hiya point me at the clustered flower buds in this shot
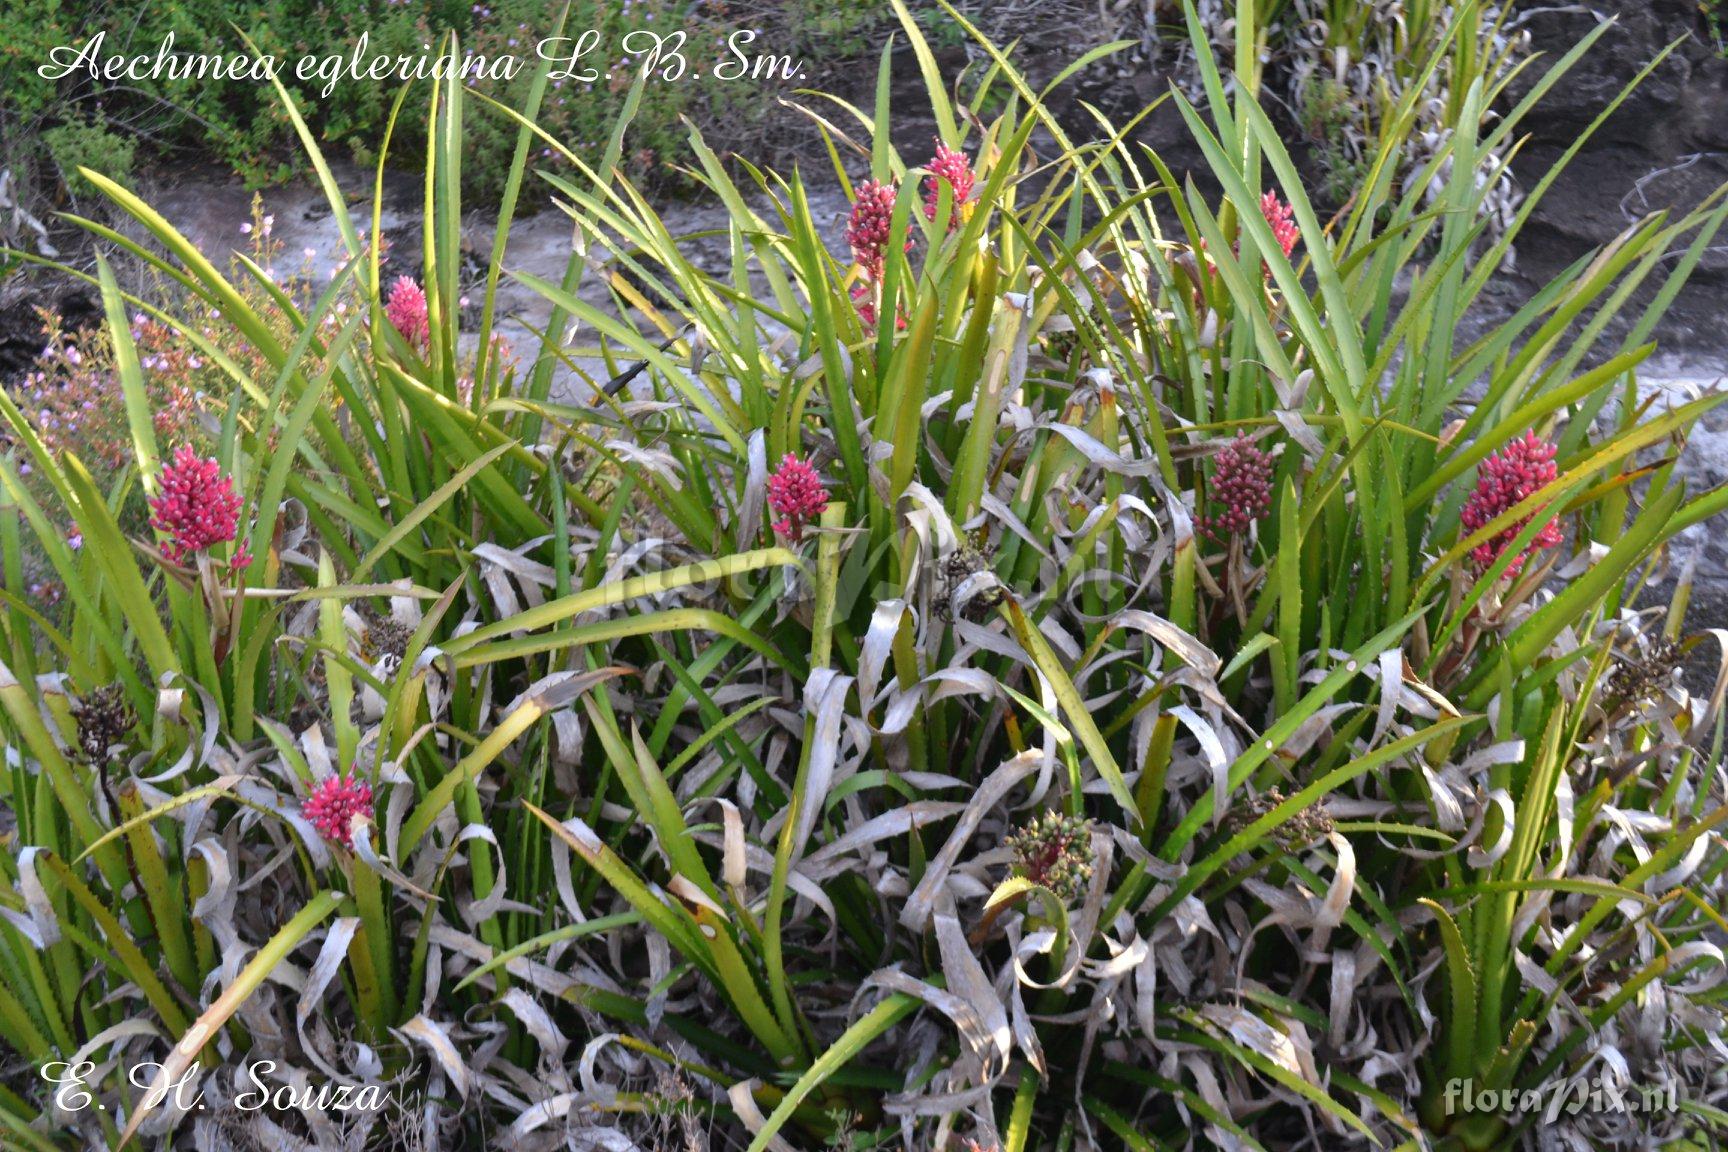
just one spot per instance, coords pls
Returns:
(1243, 484)
(954, 168)
(1055, 851)
(795, 492)
(1282, 217)
(868, 227)
(406, 310)
(332, 805)
(197, 508)
(1504, 480)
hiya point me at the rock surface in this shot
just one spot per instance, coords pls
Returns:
(1664, 148)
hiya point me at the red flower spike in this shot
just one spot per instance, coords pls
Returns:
(1282, 218)
(333, 804)
(868, 227)
(1504, 480)
(795, 492)
(197, 507)
(953, 167)
(405, 308)
(1243, 484)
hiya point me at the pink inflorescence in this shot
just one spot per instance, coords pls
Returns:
(406, 309)
(953, 167)
(795, 492)
(1504, 480)
(1282, 217)
(197, 507)
(868, 227)
(334, 802)
(1243, 484)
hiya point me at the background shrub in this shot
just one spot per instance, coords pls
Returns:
(52, 126)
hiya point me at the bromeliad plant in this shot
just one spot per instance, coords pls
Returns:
(1162, 667)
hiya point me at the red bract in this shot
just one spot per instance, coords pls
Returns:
(1243, 484)
(1282, 217)
(332, 805)
(1504, 480)
(197, 507)
(864, 299)
(795, 492)
(868, 227)
(953, 167)
(406, 310)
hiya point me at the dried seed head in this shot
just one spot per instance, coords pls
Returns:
(385, 638)
(1060, 345)
(1639, 678)
(963, 562)
(958, 566)
(1055, 851)
(104, 718)
(1307, 826)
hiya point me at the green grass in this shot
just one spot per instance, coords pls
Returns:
(748, 802)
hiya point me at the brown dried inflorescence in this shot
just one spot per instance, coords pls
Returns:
(959, 565)
(1304, 828)
(1639, 678)
(104, 718)
(385, 638)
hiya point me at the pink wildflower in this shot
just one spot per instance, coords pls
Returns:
(953, 167)
(795, 492)
(334, 802)
(1282, 217)
(406, 310)
(868, 227)
(197, 507)
(1521, 469)
(1243, 484)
